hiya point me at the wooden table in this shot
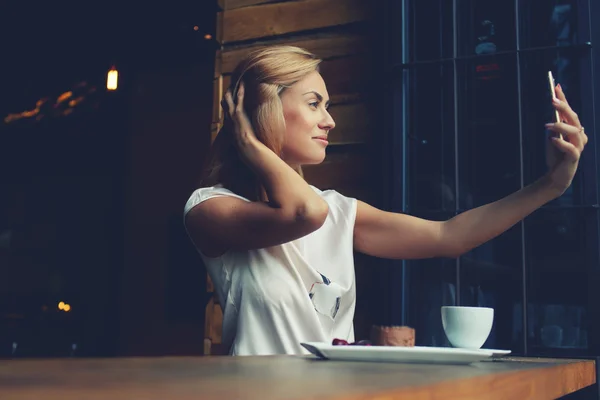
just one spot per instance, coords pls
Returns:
(287, 377)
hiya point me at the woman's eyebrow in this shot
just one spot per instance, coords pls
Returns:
(319, 97)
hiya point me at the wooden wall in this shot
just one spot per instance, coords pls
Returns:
(343, 33)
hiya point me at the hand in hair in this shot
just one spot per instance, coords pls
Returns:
(242, 127)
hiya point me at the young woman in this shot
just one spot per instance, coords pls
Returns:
(279, 251)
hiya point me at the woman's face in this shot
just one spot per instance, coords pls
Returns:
(307, 121)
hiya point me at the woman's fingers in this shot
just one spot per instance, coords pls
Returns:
(574, 135)
(562, 106)
(240, 99)
(228, 103)
(568, 149)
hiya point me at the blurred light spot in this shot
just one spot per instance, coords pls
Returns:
(112, 79)
(208, 36)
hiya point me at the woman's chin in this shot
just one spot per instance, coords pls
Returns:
(307, 159)
(314, 160)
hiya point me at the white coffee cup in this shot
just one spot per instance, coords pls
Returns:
(467, 327)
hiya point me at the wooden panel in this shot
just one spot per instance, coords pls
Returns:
(339, 170)
(324, 46)
(218, 64)
(233, 4)
(217, 114)
(219, 27)
(275, 19)
(226, 82)
(347, 75)
(352, 124)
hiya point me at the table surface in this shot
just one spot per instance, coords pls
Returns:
(288, 377)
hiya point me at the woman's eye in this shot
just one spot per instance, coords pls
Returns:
(314, 104)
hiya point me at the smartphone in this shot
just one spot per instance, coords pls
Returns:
(552, 85)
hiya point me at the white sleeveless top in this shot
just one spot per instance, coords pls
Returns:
(277, 297)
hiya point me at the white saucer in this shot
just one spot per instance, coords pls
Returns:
(417, 354)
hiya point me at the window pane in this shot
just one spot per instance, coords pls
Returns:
(553, 23)
(432, 285)
(572, 69)
(431, 143)
(485, 27)
(491, 275)
(561, 255)
(488, 131)
(430, 31)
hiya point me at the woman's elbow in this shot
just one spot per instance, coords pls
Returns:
(313, 214)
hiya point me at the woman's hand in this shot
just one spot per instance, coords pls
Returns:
(242, 127)
(563, 153)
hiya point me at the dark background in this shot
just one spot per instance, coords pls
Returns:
(91, 195)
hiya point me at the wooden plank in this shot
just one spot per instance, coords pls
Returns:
(352, 124)
(325, 46)
(296, 16)
(219, 27)
(218, 64)
(233, 4)
(217, 114)
(347, 75)
(226, 82)
(339, 170)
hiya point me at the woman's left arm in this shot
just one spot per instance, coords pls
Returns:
(399, 236)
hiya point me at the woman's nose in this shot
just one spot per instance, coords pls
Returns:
(328, 122)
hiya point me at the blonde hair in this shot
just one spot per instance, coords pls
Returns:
(266, 73)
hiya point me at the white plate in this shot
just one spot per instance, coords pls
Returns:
(417, 354)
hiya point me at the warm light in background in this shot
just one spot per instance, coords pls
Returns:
(112, 80)
(61, 305)
(67, 308)
(196, 28)
(208, 36)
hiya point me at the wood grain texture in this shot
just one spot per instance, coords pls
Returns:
(218, 64)
(325, 46)
(217, 114)
(348, 75)
(233, 4)
(289, 377)
(352, 124)
(269, 20)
